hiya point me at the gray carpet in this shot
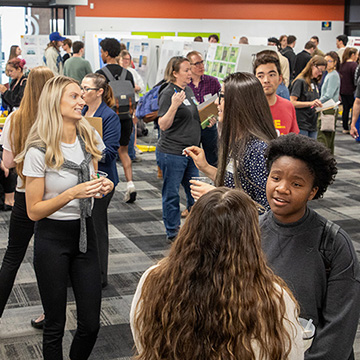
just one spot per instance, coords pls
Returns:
(137, 240)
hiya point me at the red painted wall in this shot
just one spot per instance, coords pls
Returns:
(325, 10)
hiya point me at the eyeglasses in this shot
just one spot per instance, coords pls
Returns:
(88, 89)
(319, 69)
(220, 95)
(198, 64)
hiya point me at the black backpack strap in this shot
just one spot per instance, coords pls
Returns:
(327, 244)
(108, 74)
(123, 74)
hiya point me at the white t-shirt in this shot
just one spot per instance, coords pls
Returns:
(57, 181)
(6, 143)
(294, 328)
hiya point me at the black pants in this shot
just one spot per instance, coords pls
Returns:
(348, 102)
(100, 219)
(57, 256)
(20, 232)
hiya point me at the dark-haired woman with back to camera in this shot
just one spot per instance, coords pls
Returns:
(214, 297)
(347, 87)
(12, 96)
(179, 123)
(246, 128)
(99, 100)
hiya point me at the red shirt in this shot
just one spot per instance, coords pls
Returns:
(284, 116)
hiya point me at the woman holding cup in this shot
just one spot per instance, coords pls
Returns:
(60, 154)
(99, 100)
(246, 128)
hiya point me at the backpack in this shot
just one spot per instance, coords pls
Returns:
(327, 242)
(148, 105)
(123, 90)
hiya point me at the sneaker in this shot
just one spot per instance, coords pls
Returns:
(130, 195)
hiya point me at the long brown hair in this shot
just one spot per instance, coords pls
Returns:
(306, 74)
(13, 49)
(101, 83)
(23, 118)
(348, 52)
(214, 297)
(246, 116)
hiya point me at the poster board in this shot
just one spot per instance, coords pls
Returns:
(171, 48)
(33, 48)
(225, 59)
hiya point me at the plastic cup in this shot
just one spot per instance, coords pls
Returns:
(203, 179)
(100, 174)
(308, 332)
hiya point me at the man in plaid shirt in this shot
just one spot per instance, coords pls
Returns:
(204, 86)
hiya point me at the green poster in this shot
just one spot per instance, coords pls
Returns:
(226, 53)
(215, 69)
(219, 51)
(208, 67)
(234, 52)
(230, 69)
(222, 71)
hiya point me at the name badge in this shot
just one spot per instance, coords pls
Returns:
(186, 102)
(193, 98)
(207, 97)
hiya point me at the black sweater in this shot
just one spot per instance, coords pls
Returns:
(13, 96)
(292, 251)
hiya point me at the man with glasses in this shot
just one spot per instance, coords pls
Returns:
(77, 67)
(204, 86)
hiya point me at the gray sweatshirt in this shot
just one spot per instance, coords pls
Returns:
(292, 251)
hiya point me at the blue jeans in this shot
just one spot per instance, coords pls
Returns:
(131, 147)
(209, 138)
(176, 169)
(310, 134)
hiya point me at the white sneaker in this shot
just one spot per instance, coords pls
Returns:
(130, 195)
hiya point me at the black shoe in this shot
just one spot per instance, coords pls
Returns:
(37, 324)
(7, 207)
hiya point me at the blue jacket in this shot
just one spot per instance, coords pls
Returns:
(111, 138)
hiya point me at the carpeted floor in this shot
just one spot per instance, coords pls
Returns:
(137, 240)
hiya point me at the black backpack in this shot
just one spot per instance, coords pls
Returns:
(327, 244)
(123, 90)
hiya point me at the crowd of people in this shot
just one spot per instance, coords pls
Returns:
(251, 258)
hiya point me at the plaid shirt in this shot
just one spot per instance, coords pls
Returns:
(207, 85)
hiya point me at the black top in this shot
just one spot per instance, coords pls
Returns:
(185, 130)
(292, 251)
(13, 96)
(306, 117)
(65, 57)
(116, 71)
(289, 53)
(301, 60)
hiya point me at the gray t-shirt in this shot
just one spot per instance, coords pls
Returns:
(185, 130)
(306, 117)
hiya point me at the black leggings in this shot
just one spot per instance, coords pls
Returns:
(348, 102)
(57, 256)
(20, 232)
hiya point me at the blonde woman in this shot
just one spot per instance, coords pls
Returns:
(60, 155)
(14, 135)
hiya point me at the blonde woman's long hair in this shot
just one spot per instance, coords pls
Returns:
(214, 297)
(23, 119)
(47, 129)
